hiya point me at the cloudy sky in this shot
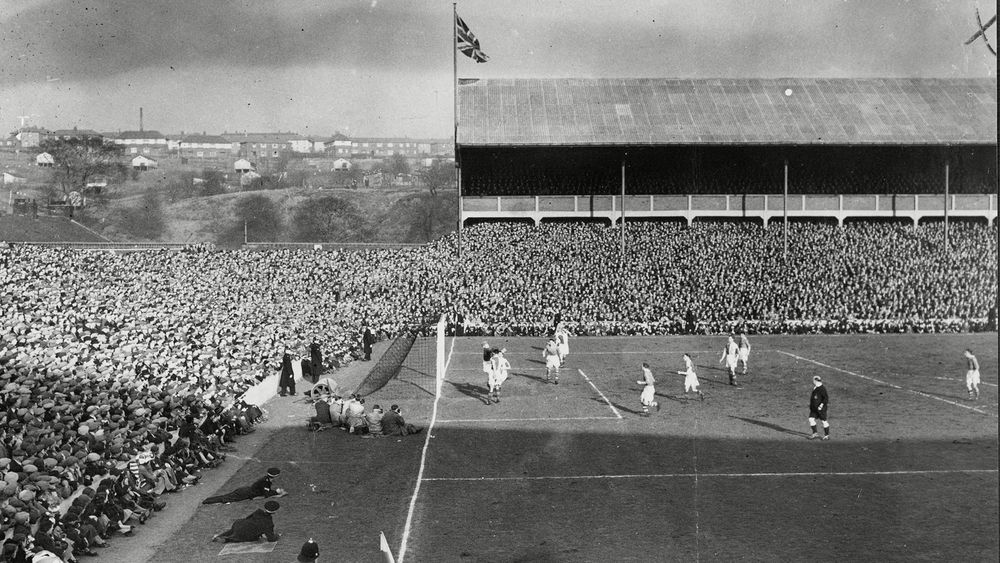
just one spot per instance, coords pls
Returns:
(384, 67)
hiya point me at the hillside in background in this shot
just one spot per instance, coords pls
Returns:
(282, 215)
(187, 204)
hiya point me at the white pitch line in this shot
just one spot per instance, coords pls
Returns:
(480, 370)
(718, 475)
(612, 407)
(647, 353)
(962, 381)
(886, 383)
(423, 461)
(541, 418)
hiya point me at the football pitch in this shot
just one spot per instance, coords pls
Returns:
(571, 472)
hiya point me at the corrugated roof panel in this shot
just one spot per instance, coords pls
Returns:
(676, 111)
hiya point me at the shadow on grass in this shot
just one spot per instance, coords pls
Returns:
(474, 391)
(678, 398)
(616, 405)
(537, 378)
(534, 361)
(770, 425)
(417, 385)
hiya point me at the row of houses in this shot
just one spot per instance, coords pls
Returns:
(256, 147)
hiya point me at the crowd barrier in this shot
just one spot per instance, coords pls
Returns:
(761, 206)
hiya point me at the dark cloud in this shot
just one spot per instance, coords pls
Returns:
(99, 38)
(386, 66)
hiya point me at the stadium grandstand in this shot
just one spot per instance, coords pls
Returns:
(539, 149)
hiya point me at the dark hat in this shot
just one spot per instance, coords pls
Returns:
(309, 552)
(271, 506)
(274, 472)
(817, 378)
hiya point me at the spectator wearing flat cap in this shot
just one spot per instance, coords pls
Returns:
(257, 524)
(261, 488)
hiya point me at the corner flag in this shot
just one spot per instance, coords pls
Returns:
(384, 546)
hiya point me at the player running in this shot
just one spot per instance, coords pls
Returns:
(498, 374)
(729, 355)
(562, 344)
(551, 356)
(744, 352)
(648, 395)
(691, 383)
(972, 375)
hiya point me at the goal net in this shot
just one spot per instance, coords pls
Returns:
(414, 362)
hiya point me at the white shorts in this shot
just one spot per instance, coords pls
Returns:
(648, 393)
(552, 361)
(691, 382)
(971, 378)
(744, 354)
(499, 378)
(731, 362)
(487, 367)
(563, 350)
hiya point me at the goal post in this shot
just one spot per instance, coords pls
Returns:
(442, 326)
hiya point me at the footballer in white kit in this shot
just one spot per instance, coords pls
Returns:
(729, 355)
(551, 356)
(562, 344)
(691, 383)
(498, 374)
(648, 396)
(972, 374)
(744, 352)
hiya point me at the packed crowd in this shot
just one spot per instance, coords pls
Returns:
(647, 182)
(122, 374)
(750, 171)
(719, 277)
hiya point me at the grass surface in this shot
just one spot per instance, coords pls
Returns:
(562, 473)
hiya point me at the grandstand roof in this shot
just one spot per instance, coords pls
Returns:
(660, 111)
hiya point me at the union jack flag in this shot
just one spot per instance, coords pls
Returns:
(467, 42)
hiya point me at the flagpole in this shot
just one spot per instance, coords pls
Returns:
(454, 66)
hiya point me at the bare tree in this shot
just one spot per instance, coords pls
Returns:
(79, 160)
(438, 176)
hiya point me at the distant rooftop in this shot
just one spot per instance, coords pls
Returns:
(216, 139)
(126, 135)
(76, 133)
(277, 137)
(660, 111)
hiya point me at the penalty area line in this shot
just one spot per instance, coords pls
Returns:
(535, 419)
(625, 352)
(423, 460)
(612, 407)
(887, 384)
(719, 475)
